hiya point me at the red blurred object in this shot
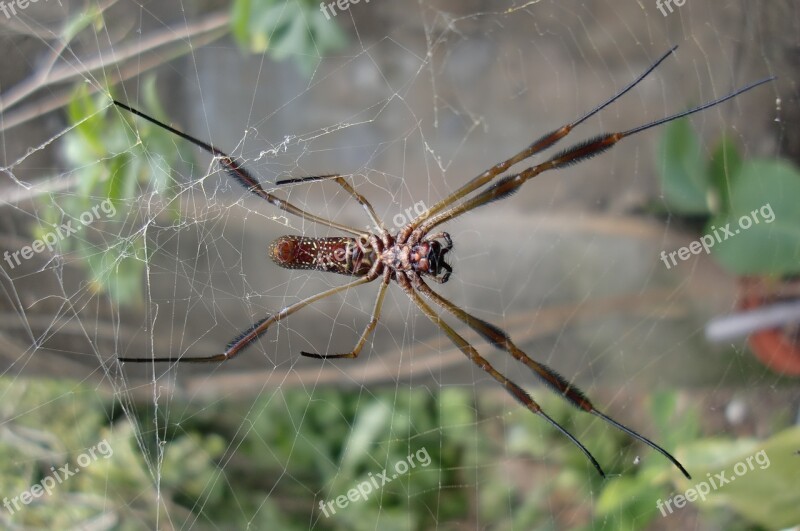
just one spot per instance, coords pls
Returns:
(777, 348)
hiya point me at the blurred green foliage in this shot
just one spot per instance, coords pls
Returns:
(269, 462)
(295, 29)
(726, 188)
(762, 477)
(98, 148)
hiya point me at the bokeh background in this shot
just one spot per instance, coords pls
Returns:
(410, 100)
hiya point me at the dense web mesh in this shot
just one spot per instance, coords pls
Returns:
(147, 249)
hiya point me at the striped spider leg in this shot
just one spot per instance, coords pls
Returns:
(415, 253)
(282, 248)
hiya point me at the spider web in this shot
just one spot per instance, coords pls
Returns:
(425, 96)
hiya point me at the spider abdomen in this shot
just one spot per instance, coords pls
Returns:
(335, 255)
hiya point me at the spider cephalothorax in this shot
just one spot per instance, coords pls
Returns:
(423, 258)
(415, 254)
(427, 258)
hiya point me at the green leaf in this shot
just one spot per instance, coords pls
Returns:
(766, 479)
(764, 197)
(86, 17)
(326, 34)
(116, 270)
(81, 107)
(116, 182)
(456, 414)
(370, 423)
(240, 19)
(672, 428)
(291, 40)
(150, 97)
(294, 29)
(188, 467)
(633, 494)
(683, 178)
(725, 163)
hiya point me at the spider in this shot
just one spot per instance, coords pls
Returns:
(416, 254)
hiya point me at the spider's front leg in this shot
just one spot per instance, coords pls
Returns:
(407, 281)
(443, 236)
(499, 339)
(537, 146)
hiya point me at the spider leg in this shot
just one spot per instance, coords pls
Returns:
(259, 327)
(499, 339)
(376, 221)
(445, 277)
(443, 235)
(306, 179)
(373, 322)
(537, 146)
(513, 389)
(240, 174)
(594, 146)
(344, 184)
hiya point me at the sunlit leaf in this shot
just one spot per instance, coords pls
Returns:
(763, 221)
(723, 168)
(683, 177)
(758, 479)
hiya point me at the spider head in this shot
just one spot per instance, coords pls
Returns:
(428, 259)
(437, 263)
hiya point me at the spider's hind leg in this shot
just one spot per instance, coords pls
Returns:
(370, 327)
